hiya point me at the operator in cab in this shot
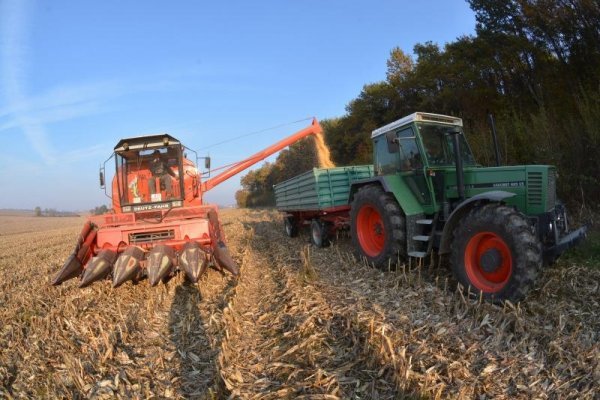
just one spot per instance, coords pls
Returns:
(160, 169)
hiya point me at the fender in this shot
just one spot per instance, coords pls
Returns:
(494, 196)
(363, 182)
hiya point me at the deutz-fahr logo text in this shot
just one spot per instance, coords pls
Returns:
(147, 207)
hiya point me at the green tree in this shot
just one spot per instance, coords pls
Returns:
(99, 210)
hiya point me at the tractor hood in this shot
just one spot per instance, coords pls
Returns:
(534, 186)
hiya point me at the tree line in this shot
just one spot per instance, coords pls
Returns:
(533, 64)
(52, 212)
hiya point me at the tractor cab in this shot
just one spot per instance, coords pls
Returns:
(148, 171)
(417, 141)
(419, 149)
(438, 145)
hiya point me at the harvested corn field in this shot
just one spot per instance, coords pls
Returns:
(299, 322)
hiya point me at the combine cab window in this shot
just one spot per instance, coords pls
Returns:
(149, 175)
(438, 145)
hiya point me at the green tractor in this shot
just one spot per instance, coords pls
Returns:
(499, 225)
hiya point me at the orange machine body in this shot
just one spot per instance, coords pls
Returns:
(164, 209)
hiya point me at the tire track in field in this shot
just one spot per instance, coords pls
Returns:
(285, 340)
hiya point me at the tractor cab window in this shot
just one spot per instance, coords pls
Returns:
(410, 156)
(386, 155)
(149, 175)
(437, 142)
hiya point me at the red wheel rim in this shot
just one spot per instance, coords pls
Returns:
(370, 230)
(498, 274)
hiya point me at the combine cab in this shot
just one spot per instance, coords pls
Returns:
(159, 225)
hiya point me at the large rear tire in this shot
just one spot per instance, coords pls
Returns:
(495, 251)
(378, 227)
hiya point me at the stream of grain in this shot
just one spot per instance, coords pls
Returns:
(323, 152)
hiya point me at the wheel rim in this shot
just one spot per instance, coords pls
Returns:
(370, 230)
(288, 227)
(316, 232)
(488, 262)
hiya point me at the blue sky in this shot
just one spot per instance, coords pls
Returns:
(75, 77)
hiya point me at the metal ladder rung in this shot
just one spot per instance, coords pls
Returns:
(421, 238)
(424, 221)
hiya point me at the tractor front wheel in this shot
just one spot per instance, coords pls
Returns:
(377, 226)
(496, 252)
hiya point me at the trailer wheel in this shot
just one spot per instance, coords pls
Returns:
(495, 251)
(319, 234)
(291, 227)
(378, 226)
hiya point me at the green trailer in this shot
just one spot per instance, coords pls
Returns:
(319, 198)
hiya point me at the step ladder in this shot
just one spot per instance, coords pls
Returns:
(420, 237)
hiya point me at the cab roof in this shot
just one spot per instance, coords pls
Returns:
(146, 142)
(418, 116)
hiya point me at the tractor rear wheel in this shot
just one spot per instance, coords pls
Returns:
(378, 226)
(495, 251)
(291, 227)
(319, 234)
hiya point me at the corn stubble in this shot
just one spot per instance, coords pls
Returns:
(300, 323)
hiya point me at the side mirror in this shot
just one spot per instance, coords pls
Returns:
(207, 162)
(101, 179)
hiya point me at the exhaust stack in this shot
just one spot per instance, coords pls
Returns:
(128, 266)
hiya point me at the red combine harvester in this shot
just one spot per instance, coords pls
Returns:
(160, 224)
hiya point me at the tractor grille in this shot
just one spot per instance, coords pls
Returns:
(535, 188)
(145, 237)
(551, 189)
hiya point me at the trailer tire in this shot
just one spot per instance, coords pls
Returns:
(496, 252)
(290, 226)
(378, 227)
(319, 235)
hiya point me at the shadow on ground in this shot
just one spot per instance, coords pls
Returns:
(194, 353)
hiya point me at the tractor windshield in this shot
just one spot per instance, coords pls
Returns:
(439, 151)
(149, 175)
